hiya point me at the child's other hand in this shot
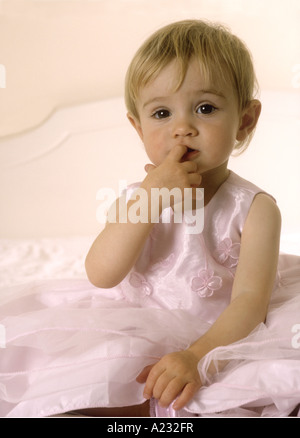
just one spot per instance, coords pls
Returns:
(175, 375)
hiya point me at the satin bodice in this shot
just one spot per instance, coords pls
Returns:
(195, 272)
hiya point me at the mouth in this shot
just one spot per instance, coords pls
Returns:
(190, 153)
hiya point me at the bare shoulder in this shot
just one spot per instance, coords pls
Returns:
(264, 213)
(262, 228)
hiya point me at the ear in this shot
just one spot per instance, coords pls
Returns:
(249, 118)
(136, 124)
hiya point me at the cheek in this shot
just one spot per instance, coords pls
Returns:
(225, 136)
(155, 147)
(151, 150)
(155, 155)
(219, 143)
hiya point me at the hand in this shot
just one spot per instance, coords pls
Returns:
(173, 172)
(175, 375)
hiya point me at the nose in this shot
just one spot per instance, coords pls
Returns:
(184, 127)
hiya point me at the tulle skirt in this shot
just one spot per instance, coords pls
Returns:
(69, 346)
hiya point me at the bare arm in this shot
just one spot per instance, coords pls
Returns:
(176, 374)
(115, 250)
(118, 246)
(254, 279)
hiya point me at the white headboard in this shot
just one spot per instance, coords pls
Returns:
(50, 175)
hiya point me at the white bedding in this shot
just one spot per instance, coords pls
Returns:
(25, 260)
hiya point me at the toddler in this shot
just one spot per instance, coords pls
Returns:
(173, 321)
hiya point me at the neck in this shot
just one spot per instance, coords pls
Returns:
(212, 180)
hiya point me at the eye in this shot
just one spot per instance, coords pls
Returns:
(205, 108)
(161, 114)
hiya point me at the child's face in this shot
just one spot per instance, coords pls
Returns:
(196, 115)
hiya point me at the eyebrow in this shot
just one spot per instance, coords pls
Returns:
(210, 91)
(213, 91)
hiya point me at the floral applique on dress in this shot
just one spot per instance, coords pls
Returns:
(227, 253)
(206, 283)
(138, 281)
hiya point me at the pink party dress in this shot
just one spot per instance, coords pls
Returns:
(71, 346)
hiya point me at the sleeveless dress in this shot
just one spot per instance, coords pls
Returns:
(71, 346)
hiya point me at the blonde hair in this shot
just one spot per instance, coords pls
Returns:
(222, 57)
